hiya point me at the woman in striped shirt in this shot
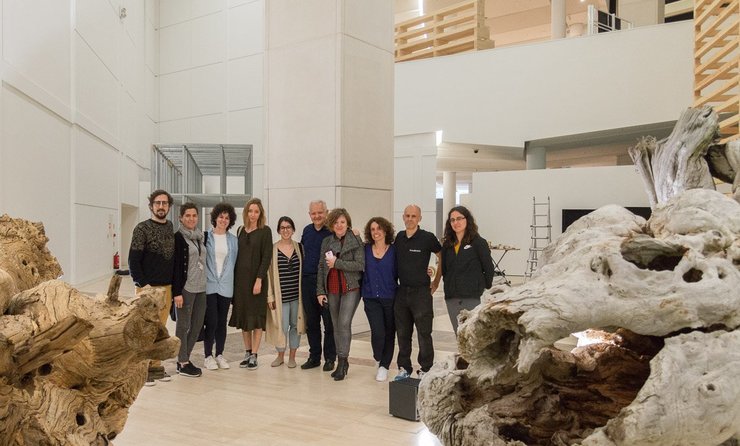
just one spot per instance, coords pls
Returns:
(285, 322)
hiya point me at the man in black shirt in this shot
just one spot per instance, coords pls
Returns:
(151, 262)
(413, 306)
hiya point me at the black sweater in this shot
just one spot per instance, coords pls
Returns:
(470, 271)
(151, 255)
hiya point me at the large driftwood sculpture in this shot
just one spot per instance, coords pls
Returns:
(70, 365)
(688, 158)
(656, 304)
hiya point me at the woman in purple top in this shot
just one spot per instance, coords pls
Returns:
(379, 290)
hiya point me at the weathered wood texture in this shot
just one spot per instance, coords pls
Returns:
(688, 159)
(70, 365)
(672, 279)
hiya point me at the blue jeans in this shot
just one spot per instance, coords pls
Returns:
(382, 329)
(290, 325)
(217, 308)
(342, 307)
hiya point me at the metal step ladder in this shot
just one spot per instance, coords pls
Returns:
(541, 234)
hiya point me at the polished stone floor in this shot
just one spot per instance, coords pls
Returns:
(275, 406)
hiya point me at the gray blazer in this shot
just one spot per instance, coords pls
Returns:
(351, 260)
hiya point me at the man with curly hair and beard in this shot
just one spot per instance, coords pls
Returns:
(151, 261)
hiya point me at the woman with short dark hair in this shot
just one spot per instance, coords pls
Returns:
(285, 322)
(341, 264)
(221, 251)
(189, 287)
(467, 266)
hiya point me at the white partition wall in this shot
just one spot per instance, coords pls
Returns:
(415, 178)
(502, 201)
(77, 120)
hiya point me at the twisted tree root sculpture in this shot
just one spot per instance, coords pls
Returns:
(657, 305)
(70, 365)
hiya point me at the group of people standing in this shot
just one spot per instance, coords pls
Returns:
(288, 288)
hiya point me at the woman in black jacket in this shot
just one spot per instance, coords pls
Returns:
(467, 266)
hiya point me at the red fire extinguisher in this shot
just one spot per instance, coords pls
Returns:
(116, 260)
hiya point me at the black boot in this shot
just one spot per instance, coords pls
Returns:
(342, 369)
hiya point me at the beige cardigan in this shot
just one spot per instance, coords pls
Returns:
(274, 331)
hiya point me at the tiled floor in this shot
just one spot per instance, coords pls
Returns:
(275, 406)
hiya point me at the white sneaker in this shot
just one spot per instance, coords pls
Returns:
(382, 374)
(421, 374)
(210, 363)
(222, 362)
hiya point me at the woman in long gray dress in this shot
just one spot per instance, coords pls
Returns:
(250, 280)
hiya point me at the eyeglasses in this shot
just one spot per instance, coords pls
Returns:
(286, 228)
(161, 203)
(456, 219)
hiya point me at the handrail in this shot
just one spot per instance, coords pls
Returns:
(455, 29)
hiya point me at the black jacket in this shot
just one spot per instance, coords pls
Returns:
(470, 271)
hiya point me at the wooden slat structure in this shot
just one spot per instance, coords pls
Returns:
(455, 29)
(717, 61)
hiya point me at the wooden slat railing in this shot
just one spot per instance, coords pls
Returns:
(455, 29)
(717, 61)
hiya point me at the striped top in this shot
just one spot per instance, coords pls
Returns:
(288, 272)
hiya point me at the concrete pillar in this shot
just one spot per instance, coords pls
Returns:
(449, 193)
(557, 19)
(536, 158)
(329, 108)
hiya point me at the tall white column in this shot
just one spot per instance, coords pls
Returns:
(536, 157)
(329, 107)
(449, 193)
(557, 19)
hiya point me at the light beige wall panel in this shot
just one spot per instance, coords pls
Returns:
(362, 204)
(208, 90)
(306, 74)
(151, 96)
(210, 129)
(176, 48)
(366, 115)
(293, 202)
(151, 47)
(203, 7)
(129, 175)
(99, 26)
(95, 244)
(245, 82)
(306, 20)
(174, 131)
(35, 170)
(36, 47)
(135, 22)
(246, 127)
(97, 93)
(174, 11)
(132, 76)
(368, 21)
(175, 95)
(128, 123)
(95, 167)
(152, 11)
(148, 134)
(246, 29)
(208, 39)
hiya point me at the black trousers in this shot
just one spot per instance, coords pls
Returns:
(315, 313)
(217, 308)
(414, 307)
(382, 322)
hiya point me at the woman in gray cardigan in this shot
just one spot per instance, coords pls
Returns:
(341, 265)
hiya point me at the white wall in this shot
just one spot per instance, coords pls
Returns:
(507, 96)
(211, 65)
(78, 120)
(502, 201)
(415, 178)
